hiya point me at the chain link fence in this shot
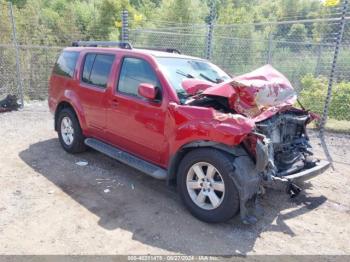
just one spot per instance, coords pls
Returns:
(190, 40)
(240, 48)
(303, 50)
(9, 78)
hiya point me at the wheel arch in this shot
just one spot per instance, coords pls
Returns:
(247, 181)
(62, 105)
(183, 150)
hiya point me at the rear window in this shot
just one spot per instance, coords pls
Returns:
(65, 64)
(97, 68)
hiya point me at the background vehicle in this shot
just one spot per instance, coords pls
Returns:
(183, 119)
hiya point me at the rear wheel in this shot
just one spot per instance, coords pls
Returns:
(205, 185)
(69, 132)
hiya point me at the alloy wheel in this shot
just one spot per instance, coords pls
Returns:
(67, 130)
(205, 185)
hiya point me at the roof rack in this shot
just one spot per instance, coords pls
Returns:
(168, 50)
(123, 45)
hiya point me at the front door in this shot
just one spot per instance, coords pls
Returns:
(134, 123)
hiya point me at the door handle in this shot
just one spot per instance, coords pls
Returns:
(114, 103)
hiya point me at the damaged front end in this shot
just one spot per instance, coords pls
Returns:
(283, 152)
(278, 144)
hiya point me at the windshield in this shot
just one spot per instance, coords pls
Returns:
(178, 69)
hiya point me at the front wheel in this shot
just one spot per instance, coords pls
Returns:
(206, 187)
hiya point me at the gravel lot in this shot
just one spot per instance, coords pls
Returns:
(50, 205)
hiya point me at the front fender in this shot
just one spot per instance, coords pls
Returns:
(206, 124)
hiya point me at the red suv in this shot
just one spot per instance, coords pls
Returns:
(183, 119)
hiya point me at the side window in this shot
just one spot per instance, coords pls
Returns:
(65, 64)
(97, 68)
(135, 71)
(89, 61)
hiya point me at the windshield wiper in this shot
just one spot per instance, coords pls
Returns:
(201, 74)
(184, 74)
(208, 78)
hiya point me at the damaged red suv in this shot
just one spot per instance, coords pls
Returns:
(183, 119)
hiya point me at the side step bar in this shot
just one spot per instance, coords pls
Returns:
(126, 158)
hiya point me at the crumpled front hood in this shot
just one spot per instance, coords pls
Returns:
(258, 94)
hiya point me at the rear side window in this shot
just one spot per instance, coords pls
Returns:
(89, 61)
(135, 71)
(65, 64)
(97, 68)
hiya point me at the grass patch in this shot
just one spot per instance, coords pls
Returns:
(333, 125)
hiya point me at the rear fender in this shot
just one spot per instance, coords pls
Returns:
(71, 98)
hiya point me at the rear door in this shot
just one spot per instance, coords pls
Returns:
(135, 123)
(95, 79)
(62, 77)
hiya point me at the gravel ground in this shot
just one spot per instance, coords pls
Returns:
(50, 205)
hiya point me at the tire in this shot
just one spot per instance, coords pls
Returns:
(75, 144)
(190, 190)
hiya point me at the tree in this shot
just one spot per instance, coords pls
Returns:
(109, 14)
(18, 3)
(297, 33)
(183, 11)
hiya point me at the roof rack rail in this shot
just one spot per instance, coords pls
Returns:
(123, 45)
(168, 50)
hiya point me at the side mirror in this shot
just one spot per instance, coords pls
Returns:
(148, 91)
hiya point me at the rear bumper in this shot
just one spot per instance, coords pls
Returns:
(307, 174)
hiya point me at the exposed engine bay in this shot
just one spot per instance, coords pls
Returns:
(266, 97)
(290, 144)
(285, 133)
(275, 138)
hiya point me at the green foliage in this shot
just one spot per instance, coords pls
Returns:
(297, 32)
(63, 20)
(18, 3)
(238, 48)
(183, 11)
(340, 108)
(314, 94)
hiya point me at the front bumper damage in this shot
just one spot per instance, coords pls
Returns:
(265, 165)
(307, 174)
(265, 170)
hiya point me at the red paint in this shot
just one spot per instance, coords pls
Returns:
(194, 86)
(147, 91)
(153, 130)
(258, 94)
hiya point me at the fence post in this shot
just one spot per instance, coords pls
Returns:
(18, 68)
(269, 51)
(47, 66)
(334, 65)
(330, 81)
(209, 39)
(125, 26)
